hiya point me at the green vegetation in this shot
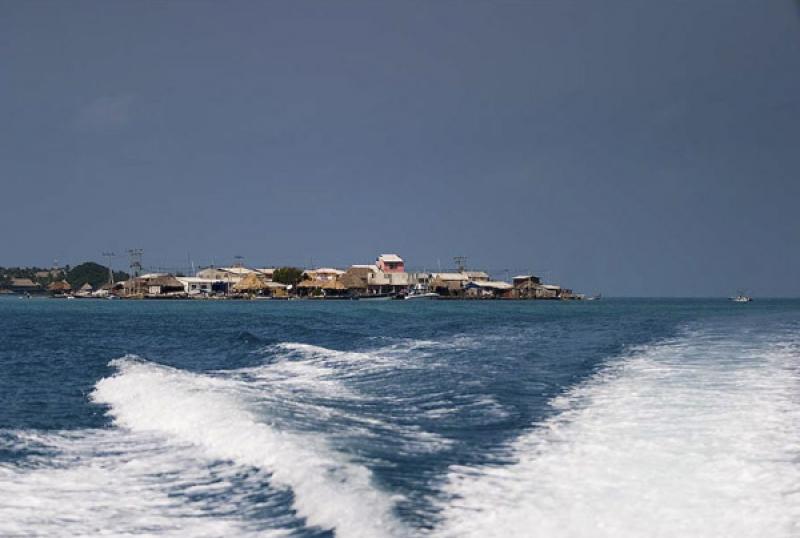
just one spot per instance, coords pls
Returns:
(40, 275)
(93, 273)
(287, 275)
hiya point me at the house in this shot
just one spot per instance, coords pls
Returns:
(24, 285)
(163, 285)
(448, 284)
(267, 272)
(232, 275)
(391, 263)
(357, 278)
(476, 276)
(322, 288)
(257, 284)
(488, 289)
(59, 287)
(324, 274)
(380, 282)
(525, 286)
(193, 285)
(548, 291)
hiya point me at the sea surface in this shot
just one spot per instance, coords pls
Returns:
(615, 418)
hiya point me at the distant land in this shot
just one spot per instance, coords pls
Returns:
(384, 279)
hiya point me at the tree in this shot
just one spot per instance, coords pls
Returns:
(93, 273)
(287, 275)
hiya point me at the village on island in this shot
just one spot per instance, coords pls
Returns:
(385, 279)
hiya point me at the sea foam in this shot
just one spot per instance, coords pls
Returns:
(209, 412)
(693, 437)
(118, 483)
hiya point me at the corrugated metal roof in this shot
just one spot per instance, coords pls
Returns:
(491, 284)
(327, 270)
(450, 276)
(237, 270)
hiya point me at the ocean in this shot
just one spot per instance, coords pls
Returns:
(614, 418)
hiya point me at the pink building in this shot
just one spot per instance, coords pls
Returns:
(391, 263)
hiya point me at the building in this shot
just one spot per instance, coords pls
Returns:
(59, 287)
(232, 275)
(162, 285)
(391, 263)
(267, 272)
(448, 284)
(24, 285)
(476, 276)
(525, 286)
(488, 289)
(324, 274)
(193, 285)
(257, 284)
(548, 291)
(380, 282)
(357, 277)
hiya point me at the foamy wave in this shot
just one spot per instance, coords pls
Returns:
(695, 437)
(317, 388)
(113, 483)
(208, 412)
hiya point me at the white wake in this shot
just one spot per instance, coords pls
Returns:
(695, 437)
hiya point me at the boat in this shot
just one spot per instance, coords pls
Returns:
(594, 297)
(376, 297)
(420, 291)
(741, 298)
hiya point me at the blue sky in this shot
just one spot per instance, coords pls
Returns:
(633, 148)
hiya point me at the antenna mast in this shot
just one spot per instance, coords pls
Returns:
(110, 256)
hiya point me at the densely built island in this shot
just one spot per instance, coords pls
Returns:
(384, 279)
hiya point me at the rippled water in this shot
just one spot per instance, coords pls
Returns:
(613, 418)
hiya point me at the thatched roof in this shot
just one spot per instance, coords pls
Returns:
(356, 277)
(87, 287)
(252, 282)
(59, 285)
(23, 283)
(322, 284)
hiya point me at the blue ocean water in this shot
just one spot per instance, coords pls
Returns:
(306, 418)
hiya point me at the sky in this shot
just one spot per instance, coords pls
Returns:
(633, 148)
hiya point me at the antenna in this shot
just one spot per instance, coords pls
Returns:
(135, 255)
(461, 263)
(136, 261)
(110, 256)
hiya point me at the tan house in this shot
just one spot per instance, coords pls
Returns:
(451, 284)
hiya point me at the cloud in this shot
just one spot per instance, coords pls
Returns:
(105, 113)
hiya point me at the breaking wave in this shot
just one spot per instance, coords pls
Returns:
(209, 413)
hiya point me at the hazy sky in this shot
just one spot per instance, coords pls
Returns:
(633, 148)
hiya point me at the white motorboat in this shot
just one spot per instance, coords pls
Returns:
(741, 299)
(420, 291)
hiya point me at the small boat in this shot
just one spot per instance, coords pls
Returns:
(429, 295)
(420, 291)
(376, 297)
(594, 297)
(741, 299)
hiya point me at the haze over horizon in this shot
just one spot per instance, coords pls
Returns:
(625, 147)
